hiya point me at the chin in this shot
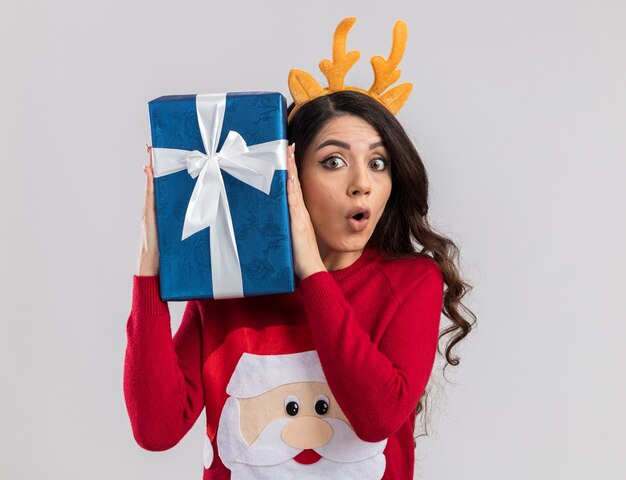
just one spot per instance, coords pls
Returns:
(348, 245)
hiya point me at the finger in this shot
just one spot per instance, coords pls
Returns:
(292, 192)
(149, 150)
(294, 166)
(294, 175)
(291, 196)
(290, 155)
(149, 170)
(290, 170)
(149, 203)
(149, 182)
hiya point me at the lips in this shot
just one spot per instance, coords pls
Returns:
(307, 457)
(359, 213)
(358, 218)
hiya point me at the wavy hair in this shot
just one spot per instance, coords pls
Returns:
(403, 229)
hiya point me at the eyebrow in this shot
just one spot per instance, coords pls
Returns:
(345, 145)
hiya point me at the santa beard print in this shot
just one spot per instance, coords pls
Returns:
(344, 456)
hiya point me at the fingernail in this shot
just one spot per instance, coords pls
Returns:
(291, 177)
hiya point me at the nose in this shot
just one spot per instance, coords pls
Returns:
(307, 433)
(359, 181)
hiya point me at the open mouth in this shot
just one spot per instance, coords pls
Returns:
(359, 214)
(358, 219)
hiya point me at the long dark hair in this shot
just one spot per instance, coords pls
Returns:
(403, 229)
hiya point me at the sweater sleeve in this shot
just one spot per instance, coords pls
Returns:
(162, 376)
(376, 385)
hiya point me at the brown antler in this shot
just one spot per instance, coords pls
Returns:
(304, 87)
(335, 71)
(385, 72)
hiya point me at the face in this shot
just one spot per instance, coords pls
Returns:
(346, 182)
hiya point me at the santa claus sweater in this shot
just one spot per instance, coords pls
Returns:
(348, 355)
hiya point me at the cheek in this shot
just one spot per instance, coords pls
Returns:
(385, 189)
(318, 197)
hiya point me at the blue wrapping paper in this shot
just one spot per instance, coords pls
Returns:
(260, 221)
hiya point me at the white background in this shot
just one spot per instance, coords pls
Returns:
(518, 111)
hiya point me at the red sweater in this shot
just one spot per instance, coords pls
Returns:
(373, 325)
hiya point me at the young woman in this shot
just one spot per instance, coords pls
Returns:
(325, 382)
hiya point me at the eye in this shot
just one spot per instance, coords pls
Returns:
(292, 405)
(321, 405)
(333, 162)
(378, 163)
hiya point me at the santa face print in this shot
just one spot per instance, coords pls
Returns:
(308, 404)
(346, 182)
(293, 430)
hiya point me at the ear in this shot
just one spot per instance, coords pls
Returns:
(395, 98)
(303, 86)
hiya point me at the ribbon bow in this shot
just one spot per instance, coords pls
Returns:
(208, 205)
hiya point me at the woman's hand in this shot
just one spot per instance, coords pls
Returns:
(148, 262)
(306, 255)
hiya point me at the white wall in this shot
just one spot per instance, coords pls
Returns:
(518, 111)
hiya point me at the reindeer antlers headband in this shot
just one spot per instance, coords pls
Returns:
(304, 87)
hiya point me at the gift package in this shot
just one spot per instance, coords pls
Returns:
(220, 192)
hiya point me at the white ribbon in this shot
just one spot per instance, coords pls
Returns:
(208, 205)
